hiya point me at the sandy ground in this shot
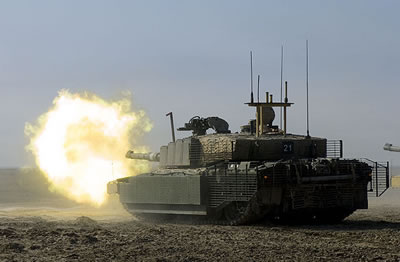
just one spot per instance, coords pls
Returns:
(36, 225)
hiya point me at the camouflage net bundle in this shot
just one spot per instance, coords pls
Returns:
(216, 148)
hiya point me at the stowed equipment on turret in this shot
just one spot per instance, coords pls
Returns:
(199, 125)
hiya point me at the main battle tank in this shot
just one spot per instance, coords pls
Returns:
(259, 173)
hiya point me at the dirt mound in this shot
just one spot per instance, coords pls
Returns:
(85, 222)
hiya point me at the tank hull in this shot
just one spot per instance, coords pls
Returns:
(302, 190)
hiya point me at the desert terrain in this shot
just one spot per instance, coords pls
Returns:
(38, 225)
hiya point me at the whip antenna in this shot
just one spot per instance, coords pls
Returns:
(258, 89)
(281, 82)
(308, 119)
(251, 77)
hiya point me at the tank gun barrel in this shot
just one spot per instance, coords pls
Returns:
(390, 147)
(154, 157)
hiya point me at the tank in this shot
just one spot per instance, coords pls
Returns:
(261, 172)
(390, 147)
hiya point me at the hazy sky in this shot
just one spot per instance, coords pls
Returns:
(192, 58)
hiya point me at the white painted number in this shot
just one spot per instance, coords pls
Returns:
(288, 148)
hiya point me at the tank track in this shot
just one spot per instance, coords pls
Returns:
(251, 213)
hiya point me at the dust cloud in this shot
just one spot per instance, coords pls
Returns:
(24, 192)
